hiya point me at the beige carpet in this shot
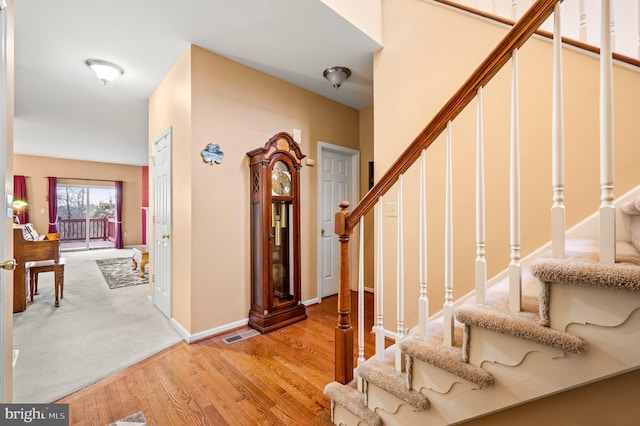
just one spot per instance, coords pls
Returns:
(96, 331)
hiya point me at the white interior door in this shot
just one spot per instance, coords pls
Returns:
(161, 265)
(337, 172)
(6, 283)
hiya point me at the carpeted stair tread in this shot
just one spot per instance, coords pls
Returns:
(518, 325)
(632, 209)
(435, 352)
(353, 401)
(621, 276)
(588, 250)
(386, 377)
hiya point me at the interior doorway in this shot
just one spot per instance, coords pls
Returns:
(338, 180)
(162, 222)
(86, 216)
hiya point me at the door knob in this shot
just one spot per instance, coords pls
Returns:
(9, 265)
(165, 236)
(322, 232)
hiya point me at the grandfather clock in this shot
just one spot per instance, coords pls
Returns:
(275, 234)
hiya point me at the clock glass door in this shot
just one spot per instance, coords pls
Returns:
(281, 243)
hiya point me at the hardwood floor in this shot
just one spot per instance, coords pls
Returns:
(272, 379)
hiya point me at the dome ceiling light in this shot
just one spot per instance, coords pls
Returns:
(336, 75)
(106, 71)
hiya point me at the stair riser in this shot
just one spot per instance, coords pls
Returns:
(486, 345)
(394, 412)
(428, 377)
(342, 416)
(571, 303)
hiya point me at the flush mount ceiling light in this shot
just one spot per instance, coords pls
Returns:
(106, 71)
(336, 75)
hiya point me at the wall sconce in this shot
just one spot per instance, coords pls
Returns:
(106, 71)
(336, 75)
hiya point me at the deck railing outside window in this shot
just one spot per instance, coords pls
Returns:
(100, 229)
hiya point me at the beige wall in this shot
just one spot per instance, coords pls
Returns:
(415, 74)
(37, 169)
(366, 155)
(170, 106)
(238, 108)
(7, 290)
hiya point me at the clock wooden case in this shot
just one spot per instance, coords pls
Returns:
(275, 234)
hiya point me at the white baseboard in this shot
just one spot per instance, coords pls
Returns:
(311, 301)
(190, 338)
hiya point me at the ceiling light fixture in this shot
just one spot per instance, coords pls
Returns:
(336, 75)
(106, 71)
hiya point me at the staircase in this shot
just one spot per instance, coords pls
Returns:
(564, 317)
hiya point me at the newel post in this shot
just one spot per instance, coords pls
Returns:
(344, 331)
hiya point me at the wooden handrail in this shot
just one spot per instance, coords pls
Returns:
(346, 221)
(542, 33)
(515, 38)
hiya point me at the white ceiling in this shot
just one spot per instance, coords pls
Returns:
(62, 110)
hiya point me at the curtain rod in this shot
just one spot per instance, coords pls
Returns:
(85, 179)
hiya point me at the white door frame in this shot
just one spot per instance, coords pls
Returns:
(6, 290)
(355, 189)
(154, 235)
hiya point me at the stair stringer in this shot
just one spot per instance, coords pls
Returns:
(523, 371)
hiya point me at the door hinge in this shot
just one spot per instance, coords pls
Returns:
(153, 278)
(153, 219)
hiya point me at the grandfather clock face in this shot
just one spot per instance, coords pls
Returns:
(280, 179)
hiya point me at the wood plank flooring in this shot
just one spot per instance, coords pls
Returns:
(272, 379)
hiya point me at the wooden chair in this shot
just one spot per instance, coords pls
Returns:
(37, 267)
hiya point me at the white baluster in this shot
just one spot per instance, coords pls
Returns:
(515, 271)
(361, 294)
(514, 10)
(361, 359)
(612, 17)
(607, 209)
(447, 309)
(638, 27)
(481, 261)
(400, 359)
(379, 327)
(557, 144)
(583, 22)
(423, 301)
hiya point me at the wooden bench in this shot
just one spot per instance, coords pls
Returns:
(140, 258)
(37, 267)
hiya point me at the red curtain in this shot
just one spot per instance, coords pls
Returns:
(20, 194)
(119, 244)
(53, 205)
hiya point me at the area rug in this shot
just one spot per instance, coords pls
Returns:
(137, 419)
(118, 272)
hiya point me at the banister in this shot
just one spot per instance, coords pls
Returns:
(514, 39)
